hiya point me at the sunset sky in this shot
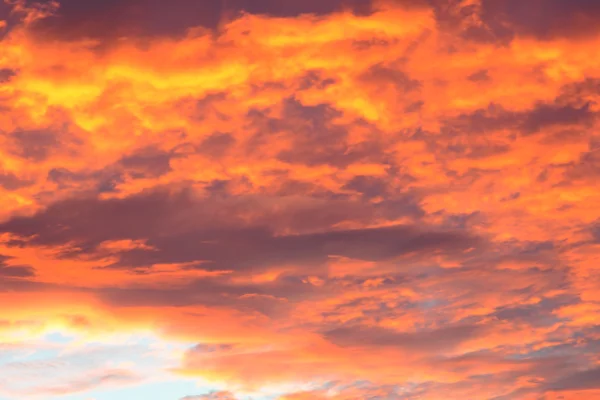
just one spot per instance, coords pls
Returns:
(300, 200)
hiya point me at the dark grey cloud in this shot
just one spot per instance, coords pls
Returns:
(18, 271)
(273, 299)
(583, 380)
(539, 314)
(6, 74)
(544, 19)
(382, 74)
(549, 366)
(581, 93)
(368, 186)
(100, 181)
(14, 271)
(147, 163)
(316, 139)
(537, 119)
(183, 228)
(545, 115)
(143, 163)
(293, 8)
(108, 20)
(256, 248)
(595, 230)
(315, 79)
(479, 76)
(10, 181)
(35, 145)
(91, 220)
(216, 145)
(63, 176)
(587, 167)
(213, 293)
(443, 339)
(483, 120)
(330, 152)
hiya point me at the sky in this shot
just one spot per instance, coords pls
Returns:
(299, 199)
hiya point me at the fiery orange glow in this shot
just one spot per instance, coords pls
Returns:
(295, 200)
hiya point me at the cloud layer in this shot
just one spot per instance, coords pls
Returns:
(330, 199)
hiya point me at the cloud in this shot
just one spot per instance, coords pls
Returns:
(584, 380)
(6, 74)
(543, 116)
(8, 270)
(544, 20)
(109, 21)
(205, 237)
(431, 341)
(321, 199)
(10, 181)
(17, 271)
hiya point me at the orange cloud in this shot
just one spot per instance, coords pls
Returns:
(332, 199)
